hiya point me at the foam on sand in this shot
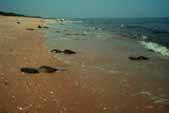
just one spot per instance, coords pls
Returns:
(156, 48)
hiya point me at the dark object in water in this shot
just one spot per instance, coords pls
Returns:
(29, 70)
(57, 31)
(160, 31)
(69, 34)
(56, 51)
(30, 29)
(69, 52)
(66, 51)
(47, 69)
(150, 50)
(45, 27)
(18, 22)
(42, 27)
(139, 58)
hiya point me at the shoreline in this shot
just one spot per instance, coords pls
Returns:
(106, 69)
(79, 89)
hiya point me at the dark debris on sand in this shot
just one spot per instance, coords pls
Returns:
(47, 69)
(41, 69)
(18, 22)
(66, 51)
(42, 27)
(29, 70)
(29, 29)
(138, 58)
(56, 51)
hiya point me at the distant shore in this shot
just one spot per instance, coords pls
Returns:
(3, 13)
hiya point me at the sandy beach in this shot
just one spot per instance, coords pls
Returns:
(22, 48)
(69, 91)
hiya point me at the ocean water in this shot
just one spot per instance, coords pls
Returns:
(124, 37)
(106, 44)
(152, 31)
(103, 47)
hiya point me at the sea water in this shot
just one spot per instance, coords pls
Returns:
(104, 45)
(150, 30)
(102, 42)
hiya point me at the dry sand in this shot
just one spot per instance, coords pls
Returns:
(22, 48)
(61, 92)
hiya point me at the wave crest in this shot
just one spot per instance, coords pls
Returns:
(156, 48)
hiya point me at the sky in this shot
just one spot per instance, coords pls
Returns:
(88, 8)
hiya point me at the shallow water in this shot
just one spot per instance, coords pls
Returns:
(102, 58)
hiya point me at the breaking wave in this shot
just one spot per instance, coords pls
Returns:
(156, 48)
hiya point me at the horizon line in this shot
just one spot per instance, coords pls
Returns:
(101, 17)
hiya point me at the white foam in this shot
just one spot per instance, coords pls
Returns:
(122, 25)
(146, 93)
(144, 37)
(156, 48)
(157, 100)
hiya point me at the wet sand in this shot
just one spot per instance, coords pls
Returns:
(71, 91)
